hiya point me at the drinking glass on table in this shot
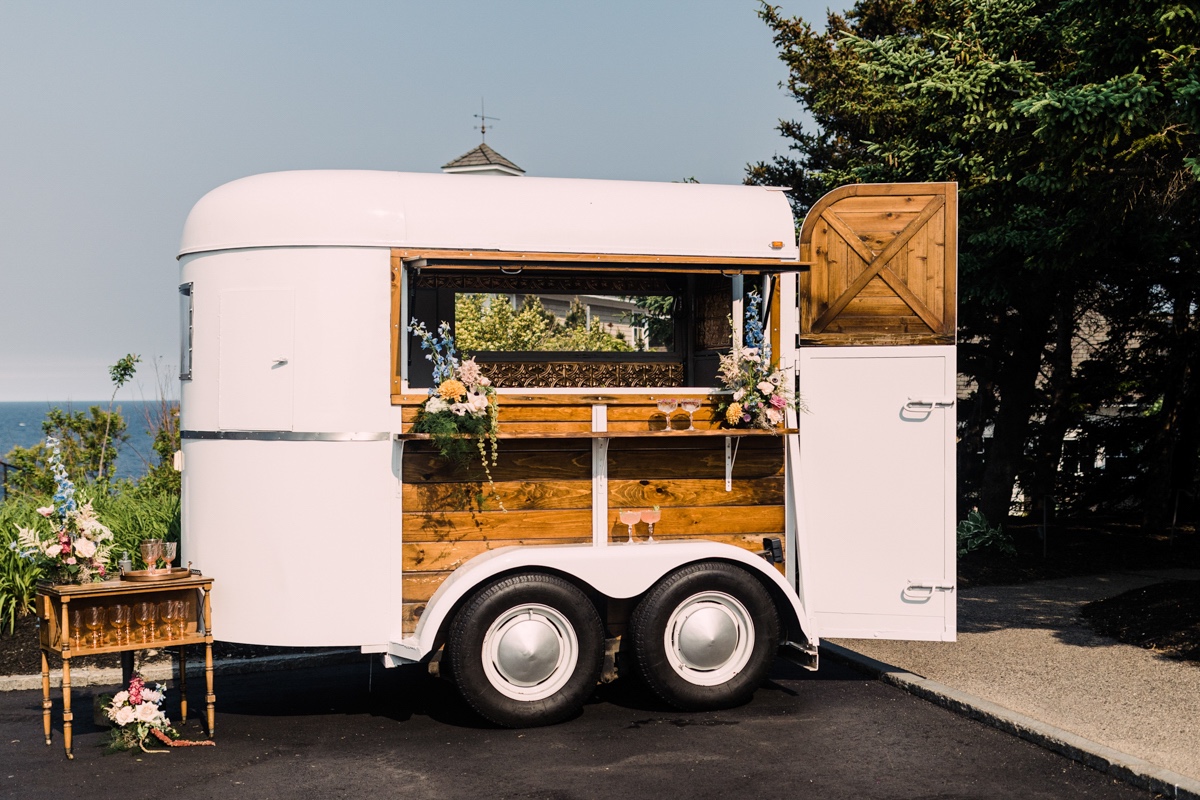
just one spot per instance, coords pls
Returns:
(152, 551)
(691, 405)
(630, 518)
(169, 549)
(118, 620)
(144, 614)
(651, 516)
(666, 405)
(93, 618)
(77, 627)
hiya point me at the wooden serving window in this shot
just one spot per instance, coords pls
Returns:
(578, 329)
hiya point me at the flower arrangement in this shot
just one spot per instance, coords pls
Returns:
(759, 389)
(76, 547)
(462, 402)
(136, 714)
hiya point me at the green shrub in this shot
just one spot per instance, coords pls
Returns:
(976, 533)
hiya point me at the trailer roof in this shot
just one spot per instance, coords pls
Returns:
(360, 208)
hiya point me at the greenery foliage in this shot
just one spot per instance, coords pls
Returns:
(976, 533)
(485, 323)
(1071, 128)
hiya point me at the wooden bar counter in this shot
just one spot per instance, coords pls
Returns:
(61, 630)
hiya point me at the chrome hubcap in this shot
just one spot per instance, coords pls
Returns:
(530, 652)
(709, 638)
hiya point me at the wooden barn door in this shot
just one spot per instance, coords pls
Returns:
(883, 266)
(877, 369)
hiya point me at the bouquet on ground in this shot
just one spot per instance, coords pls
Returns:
(136, 714)
(71, 546)
(759, 390)
(462, 403)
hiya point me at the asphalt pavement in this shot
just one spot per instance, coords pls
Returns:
(354, 730)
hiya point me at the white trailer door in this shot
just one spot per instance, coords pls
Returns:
(877, 490)
(257, 339)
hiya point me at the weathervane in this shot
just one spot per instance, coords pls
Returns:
(483, 118)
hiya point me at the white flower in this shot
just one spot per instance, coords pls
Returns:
(146, 712)
(483, 381)
(436, 405)
(46, 511)
(53, 550)
(766, 387)
(124, 715)
(775, 416)
(461, 409)
(85, 547)
(739, 394)
(120, 698)
(478, 402)
(150, 696)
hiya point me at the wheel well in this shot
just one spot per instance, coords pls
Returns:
(615, 612)
(598, 600)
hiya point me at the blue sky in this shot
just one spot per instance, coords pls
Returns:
(118, 116)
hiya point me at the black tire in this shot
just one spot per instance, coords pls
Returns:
(705, 636)
(526, 650)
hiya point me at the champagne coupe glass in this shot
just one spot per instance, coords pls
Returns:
(118, 620)
(666, 405)
(631, 518)
(651, 516)
(77, 627)
(143, 615)
(691, 405)
(169, 549)
(93, 618)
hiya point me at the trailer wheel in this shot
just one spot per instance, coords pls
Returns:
(705, 636)
(526, 650)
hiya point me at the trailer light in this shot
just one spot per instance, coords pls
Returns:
(776, 245)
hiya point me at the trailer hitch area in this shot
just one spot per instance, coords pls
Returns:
(772, 551)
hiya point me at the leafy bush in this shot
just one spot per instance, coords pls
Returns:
(132, 512)
(976, 533)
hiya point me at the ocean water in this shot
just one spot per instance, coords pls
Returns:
(21, 425)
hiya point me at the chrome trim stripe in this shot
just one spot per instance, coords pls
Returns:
(287, 436)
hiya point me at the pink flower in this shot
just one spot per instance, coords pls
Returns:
(777, 401)
(124, 716)
(71, 560)
(46, 511)
(53, 550)
(85, 548)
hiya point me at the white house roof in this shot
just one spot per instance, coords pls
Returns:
(478, 212)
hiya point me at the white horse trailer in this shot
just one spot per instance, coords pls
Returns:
(327, 522)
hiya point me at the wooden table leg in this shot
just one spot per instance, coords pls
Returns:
(67, 715)
(210, 698)
(46, 696)
(182, 683)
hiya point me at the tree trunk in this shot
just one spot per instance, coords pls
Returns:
(1017, 386)
(1059, 416)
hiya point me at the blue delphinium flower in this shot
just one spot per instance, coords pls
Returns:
(753, 336)
(64, 495)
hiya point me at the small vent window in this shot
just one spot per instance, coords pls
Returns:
(185, 332)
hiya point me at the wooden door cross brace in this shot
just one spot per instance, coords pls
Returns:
(877, 265)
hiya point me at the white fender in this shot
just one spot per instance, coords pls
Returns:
(617, 571)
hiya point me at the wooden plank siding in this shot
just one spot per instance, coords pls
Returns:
(884, 262)
(450, 515)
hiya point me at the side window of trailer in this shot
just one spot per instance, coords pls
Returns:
(185, 332)
(543, 329)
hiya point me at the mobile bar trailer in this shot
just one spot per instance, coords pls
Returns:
(330, 523)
